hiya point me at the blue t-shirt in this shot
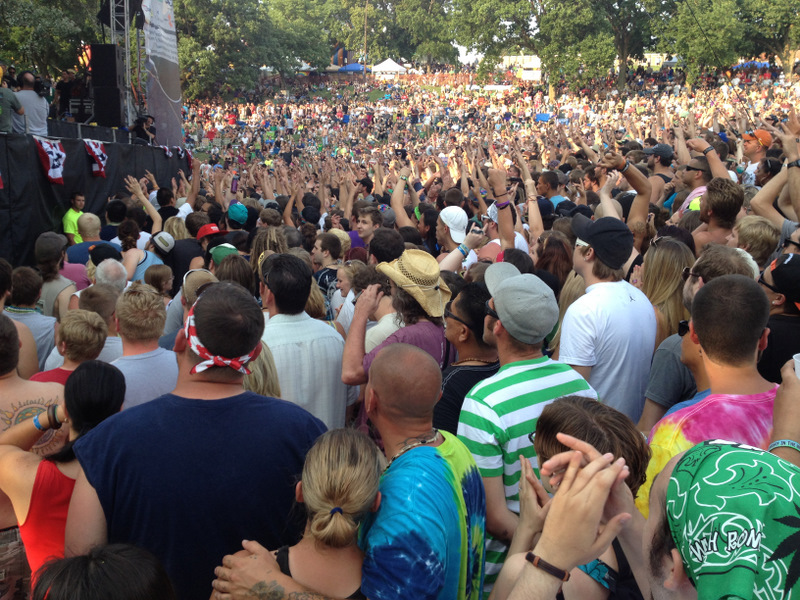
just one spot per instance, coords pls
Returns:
(556, 200)
(427, 539)
(690, 402)
(79, 253)
(189, 479)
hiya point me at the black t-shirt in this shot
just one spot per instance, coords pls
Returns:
(166, 212)
(64, 89)
(782, 344)
(457, 381)
(180, 258)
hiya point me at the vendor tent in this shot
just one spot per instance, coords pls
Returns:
(388, 66)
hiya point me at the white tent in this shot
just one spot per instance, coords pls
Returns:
(388, 66)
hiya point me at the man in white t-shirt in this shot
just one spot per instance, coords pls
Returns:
(609, 334)
(451, 229)
(492, 248)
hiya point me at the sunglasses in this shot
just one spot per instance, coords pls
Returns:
(490, 311)
(449, 314)
(787, 242)
(687, 272)
(683, 328)
(691, 168)
(767, 285)
(194, 271)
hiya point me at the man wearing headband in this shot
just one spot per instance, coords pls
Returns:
(189, 475)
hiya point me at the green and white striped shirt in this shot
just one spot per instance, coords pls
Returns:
(496, 418)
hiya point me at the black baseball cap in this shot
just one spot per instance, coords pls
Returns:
(611, 239)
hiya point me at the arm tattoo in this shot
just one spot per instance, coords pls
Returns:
(274, 591)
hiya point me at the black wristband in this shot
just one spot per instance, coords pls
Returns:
(707, 150)
(547, 567)
(51, 417)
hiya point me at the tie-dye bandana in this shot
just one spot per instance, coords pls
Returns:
(734, 513)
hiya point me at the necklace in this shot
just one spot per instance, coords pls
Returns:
(481, 360)
(408, 447)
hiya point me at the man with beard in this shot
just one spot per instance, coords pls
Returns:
(719, 207)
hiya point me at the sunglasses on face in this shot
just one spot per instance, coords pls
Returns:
(787, 242)
(687, 273)
(767, 285)
(683, 328)
(691, 168)
(490, 311)
(449, 314)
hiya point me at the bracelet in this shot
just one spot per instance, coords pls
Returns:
(783, 444)
(545, 566)
(707, 150)
(52, 418)
(500, 205)
(626, 167)
(37, 424)
(403, 177)
(499, 195)
(463, 249)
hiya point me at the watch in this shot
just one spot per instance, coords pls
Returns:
(708, 149)
(794, 163)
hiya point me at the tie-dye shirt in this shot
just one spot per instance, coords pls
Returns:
(426, 540)
(740, 419)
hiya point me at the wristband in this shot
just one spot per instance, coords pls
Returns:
(537, 562)
(37, 424)
(463, 249)
(794, 163)
(784, 444)
(707, 150)
(500, 205)
(403, 177)
(626, 167)
(52, 418)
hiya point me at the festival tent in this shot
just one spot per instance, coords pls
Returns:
(353, 68)
(388, 66)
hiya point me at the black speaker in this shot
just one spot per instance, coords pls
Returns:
(108, 65)
(109, 106)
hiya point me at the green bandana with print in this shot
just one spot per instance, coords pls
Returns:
(734, 514)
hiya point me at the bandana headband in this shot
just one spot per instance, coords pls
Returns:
(211, 360)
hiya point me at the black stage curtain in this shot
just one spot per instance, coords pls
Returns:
(31, 205)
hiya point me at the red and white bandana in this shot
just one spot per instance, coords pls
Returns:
(211, 360)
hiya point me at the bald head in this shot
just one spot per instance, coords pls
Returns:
(408, 382)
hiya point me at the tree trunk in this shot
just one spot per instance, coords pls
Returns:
(622, 74)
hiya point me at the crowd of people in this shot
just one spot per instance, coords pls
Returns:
(428, 343)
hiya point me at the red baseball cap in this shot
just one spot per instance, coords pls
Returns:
(209, 229)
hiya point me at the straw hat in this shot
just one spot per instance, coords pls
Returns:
(417, 273)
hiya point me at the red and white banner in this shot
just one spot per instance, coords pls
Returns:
(52, 155)
(97, 152)
(189, 158)
(167, 151)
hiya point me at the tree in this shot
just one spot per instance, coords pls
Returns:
(773, 27)
(47, 35)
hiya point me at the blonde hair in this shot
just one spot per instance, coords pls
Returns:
(267, 239)
(758, 236)
(574, 288)
(176, 227)
(141, 313)
(342, 471)
(84, 333)
(663, 285)
(263, 378)
(89, 225)
(344, 240)
(315, 305)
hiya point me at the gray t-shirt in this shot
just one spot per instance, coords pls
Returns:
(670, 380)
(112, 350)
(36, 110)
(42, 327)
(148, 375)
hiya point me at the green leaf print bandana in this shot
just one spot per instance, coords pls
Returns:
(734, 513)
